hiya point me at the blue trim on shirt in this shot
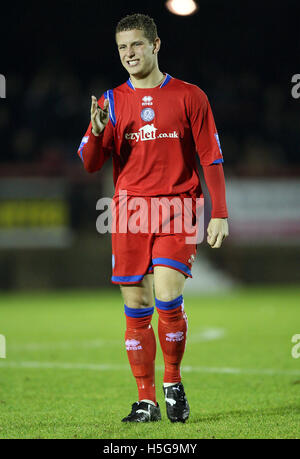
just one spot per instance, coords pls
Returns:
(80, 151)
(81, 146)
(141, 312)
(167, 305)
(166, 81)
(130, 84)
(110, 97)
(172, 263)
(168, 78)
(218, 161)
(218, 142)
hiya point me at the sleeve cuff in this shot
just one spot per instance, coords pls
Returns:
(95, 138)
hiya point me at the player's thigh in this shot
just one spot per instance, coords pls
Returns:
(168, 283)
(139, 295)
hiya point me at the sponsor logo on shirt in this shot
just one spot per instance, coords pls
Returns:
(148, 132)
(147, 100)
(173, 337)
(132, 345)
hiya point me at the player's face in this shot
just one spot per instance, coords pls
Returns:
(137, 55)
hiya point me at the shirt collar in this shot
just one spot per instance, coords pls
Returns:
(164, 82)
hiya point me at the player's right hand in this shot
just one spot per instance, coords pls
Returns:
(217, 230)
(99, 117)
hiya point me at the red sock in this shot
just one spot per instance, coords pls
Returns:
(172, 329)
(141, 350)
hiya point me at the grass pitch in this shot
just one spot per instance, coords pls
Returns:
(66, 374)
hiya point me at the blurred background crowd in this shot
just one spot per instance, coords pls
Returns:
(45, 117)
(55, 55)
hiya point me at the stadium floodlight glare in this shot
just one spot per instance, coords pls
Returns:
(182, 7)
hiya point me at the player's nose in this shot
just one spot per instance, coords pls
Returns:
(131, 53)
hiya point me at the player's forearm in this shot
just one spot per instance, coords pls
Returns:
(215, 181)
(93, 155)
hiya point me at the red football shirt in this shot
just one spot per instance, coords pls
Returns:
(153, 137)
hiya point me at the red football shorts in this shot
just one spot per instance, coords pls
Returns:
(135, 253)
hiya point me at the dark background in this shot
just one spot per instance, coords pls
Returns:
(54, 55)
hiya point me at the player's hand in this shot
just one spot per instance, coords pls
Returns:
(99, 117)
(217, 231)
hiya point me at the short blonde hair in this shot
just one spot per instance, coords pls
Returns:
(140, 22)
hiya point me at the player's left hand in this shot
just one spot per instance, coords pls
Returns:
(217, 231)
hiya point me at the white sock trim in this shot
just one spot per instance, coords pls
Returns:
(148, 401)
(169, 384)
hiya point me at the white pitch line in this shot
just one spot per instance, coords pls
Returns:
(63, 366)
(57, 345)
(114, 367)
(202, 335)
(206, 334)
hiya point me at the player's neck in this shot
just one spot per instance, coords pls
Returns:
(151, 80)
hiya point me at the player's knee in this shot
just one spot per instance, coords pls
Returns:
(136, 304)
(168, 294)
(168, 283)
(134, 299)
(168, 291)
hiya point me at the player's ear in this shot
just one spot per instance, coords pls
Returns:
(156, 45)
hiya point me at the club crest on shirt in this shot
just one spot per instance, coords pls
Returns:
(147, 114)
